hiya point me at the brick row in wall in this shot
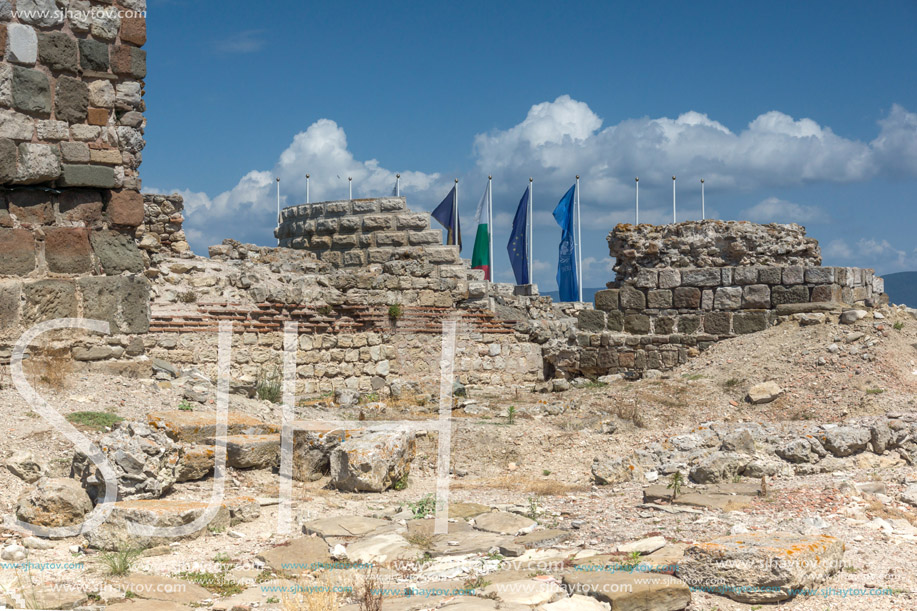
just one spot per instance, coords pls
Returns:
(364, 231)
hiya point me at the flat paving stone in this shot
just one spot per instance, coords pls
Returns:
(156, 587)
(193, 427)
(343, 526)
(631, 591)
(503, 522)
(301, 555)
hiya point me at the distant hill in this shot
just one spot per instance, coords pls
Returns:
(902, 288)
(588, 294)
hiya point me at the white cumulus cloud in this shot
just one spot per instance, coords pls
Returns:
(776, 210)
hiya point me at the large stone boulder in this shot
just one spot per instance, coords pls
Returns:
(26, 467)
(764, 392)
(630, 590)
(372, 462)
(719, 467)
(761, 567)
(54, 502)
(145, 462)
(250, 451)
(313, 442)
(612, 471)
(195, 427)
(845, 440)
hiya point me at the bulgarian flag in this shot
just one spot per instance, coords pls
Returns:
(480, 258)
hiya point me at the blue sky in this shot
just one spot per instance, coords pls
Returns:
(792, 112)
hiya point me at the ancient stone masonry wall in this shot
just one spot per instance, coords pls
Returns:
(161, 234)
(364, 231)
(71, 132)
(709, 244)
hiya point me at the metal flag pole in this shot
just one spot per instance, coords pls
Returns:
(307, 188)
(529, 240)
(674, 220)
(703, 213)
(455, 224)
(278, 202)
(490, 224)
(579, 243)
(397, 185)
(637, 203)
(350, 185)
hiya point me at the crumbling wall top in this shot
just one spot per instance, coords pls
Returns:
(709, 243)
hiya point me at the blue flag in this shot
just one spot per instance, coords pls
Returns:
(447, 215)
(567, 282)
(518, 246)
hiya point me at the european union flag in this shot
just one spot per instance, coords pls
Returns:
(447, 215)
(567, 283)
(518, 246)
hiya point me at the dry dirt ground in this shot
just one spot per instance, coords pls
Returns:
(542, 461)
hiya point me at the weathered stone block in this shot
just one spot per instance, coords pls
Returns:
(354, 258)
(21, 44)
(637, 324)
(749, 322)
(116, 252)
(102, 94)
(53, 130)
(10, 293)
(687, 298)
(16, 126)
(17, 252)
(819, 275)
(105, 156)
(385, 239)
(31, 91)
(130, 139)
(365, 206)
(688, 324)
(58, 51)
(793, 274)
(728, 298)
(99, 116)
(701, 277)
(717, 323)
(770, 275)
(105, 23)
(745, 275)
(415, 222)
(647, 278)
(6, 84)
(48, 299)
(38, 163)
(793, 294)
(756, 296)
(134, 304)
(669, 278)
(85, 133)
(631, 298)
(392, 204)
(615, 320)
(31, 206)
(606, 300)
(43, 13)
(80, 206)
(659, 299)
(378, 223)
(93, 55)
(337, 208)
(133, 30)
(706, 299)
(88, 176)
(344, 242)
(827, 292)
(67, 250)
(74, 152)
(71, 100)
(591, 320)
(349, 224)
(8, 160)
(664, 325)
(419, 238)
(126, 208)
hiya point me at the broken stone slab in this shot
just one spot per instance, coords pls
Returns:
(628, 590)
(379, 549)
(463, 511)
(718, 467)
(612, 471)
(538, 591)
(250, 451)
(196, 462)
(474, 542)
(788, 309)
(192, 427)
(548, 537)
(643, 546)
(313, 442)
(504, 523)
(764, 392)
(343, 526)
(147, 605)
(660, 493)
(43, 597)
(723, 502)
(761, 567)
(54, 502)
(302, 555)
(160, 588)
(115, 532)
(145, 462)
(372, 462)
(26, 467)
(577, 602)
(845, 440)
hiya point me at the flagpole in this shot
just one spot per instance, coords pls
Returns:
(703, 213)
(490, 225)
(674, 220)
(455, 238)
(529, 218)
(397, 185)
(350, 186)
(637, 182)
(307, 188)
(579, 243)
(278, 202)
